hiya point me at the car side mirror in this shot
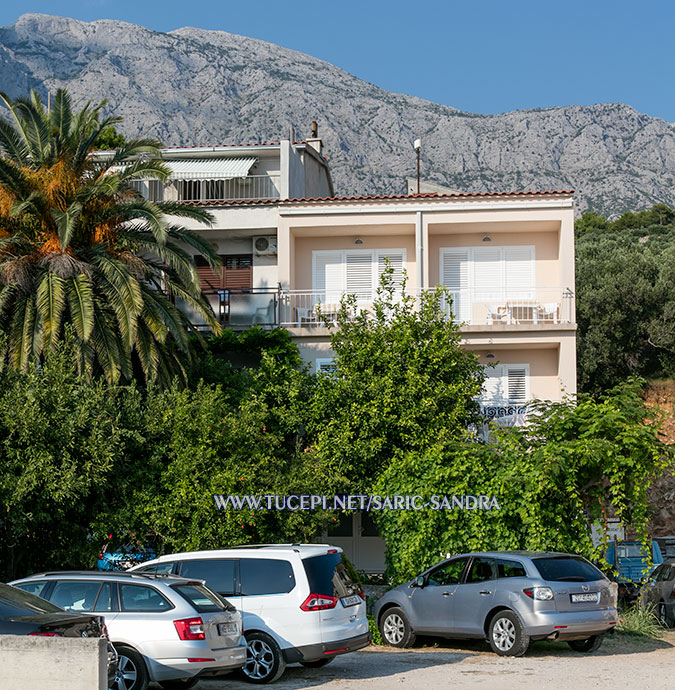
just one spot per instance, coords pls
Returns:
(420, 581)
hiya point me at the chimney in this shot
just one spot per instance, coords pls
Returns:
(314, 140)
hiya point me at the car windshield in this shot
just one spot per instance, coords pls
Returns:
(16, 602)
(330, 574)
(567, 568)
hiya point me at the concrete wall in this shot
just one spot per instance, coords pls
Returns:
(52, 663)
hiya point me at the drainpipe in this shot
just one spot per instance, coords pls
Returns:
(419, 251)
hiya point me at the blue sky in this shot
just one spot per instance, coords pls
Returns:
(481, 56)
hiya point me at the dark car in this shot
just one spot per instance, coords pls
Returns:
(22, 613)
(658, 593)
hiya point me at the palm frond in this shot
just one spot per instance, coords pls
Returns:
(81, 303)
(51, 300)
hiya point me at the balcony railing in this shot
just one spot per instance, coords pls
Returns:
(240, 308)
(504, 412)
(229, 189)
(538, 306)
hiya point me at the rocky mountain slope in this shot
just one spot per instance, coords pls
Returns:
(192, 86)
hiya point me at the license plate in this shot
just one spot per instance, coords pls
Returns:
(227, 628)
(351, 601)
(590, 598)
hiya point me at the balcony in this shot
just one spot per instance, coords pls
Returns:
(228, 189)
(535, 307)
(305, 309)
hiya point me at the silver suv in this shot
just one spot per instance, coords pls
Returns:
(509, 598)
(169, 629)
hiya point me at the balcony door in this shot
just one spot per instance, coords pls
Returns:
(353, 272)
(487, 275)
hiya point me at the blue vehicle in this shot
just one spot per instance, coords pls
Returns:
(124, 556)
(630, 559)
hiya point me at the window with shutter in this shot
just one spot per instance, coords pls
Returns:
(455, 265)
(325, 365)
(353, 272)
(516, 382)
(329, 274)
(359, 271)
(488, 274)
(209, 279)
(493, 389)
(519, 272)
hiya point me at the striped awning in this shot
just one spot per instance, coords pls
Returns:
(209, 168)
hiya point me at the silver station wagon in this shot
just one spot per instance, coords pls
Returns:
(171, 630)
(510, 598)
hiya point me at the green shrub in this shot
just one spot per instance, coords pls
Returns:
(639, 622)
(375, 631)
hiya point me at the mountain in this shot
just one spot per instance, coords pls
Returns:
(192, 86)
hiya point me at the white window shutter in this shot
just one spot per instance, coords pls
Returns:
(517, 383)
(360, 279)
(488, 271)
(325, 365)
(455, 277)
(396, 259)
(519, 266)
(493, 389)
(329, 279)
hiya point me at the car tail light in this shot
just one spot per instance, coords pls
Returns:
(318, 602)
(539, 593)
(332, 551)
(362, 594)
(198, 659)
(190, 628)
(44, 634)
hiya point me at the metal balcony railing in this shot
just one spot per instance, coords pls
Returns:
(536, 306)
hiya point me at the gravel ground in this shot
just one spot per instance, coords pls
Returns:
(621, 662)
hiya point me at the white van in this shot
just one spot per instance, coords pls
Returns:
(299, 602)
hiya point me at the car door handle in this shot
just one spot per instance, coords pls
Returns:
(448, 594)
(484, 591)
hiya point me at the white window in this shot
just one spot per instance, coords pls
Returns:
(506, 383)
(486, 274)
(325, 365)
(353, 271)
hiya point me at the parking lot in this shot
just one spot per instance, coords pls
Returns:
(621, 662)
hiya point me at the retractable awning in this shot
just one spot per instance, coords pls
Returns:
(210, 168)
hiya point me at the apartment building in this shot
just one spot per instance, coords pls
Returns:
(291, 249)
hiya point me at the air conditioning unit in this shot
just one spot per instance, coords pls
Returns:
(265, 245)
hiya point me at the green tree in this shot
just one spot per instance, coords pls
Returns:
(553, 478)
(63, 440)
(79, 246)
(401, 382)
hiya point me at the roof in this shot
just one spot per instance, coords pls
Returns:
(304, 550)
(382, 197)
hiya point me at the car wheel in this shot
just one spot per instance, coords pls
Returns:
(178, 684)
(396, 629)
(131, 672)
(589, 645)
(264, 660)
(319, 663)
(664, 619)
(506, 634)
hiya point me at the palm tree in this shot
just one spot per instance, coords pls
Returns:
(81, 251)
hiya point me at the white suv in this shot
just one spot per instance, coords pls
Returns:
(299, 602)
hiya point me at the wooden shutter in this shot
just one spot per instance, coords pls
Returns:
(455, 277)
(519, 272)
(209, 279)
(516, 381)
(359, 272)
(237, 271)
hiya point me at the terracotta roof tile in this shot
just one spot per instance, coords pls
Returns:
(380, 197)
